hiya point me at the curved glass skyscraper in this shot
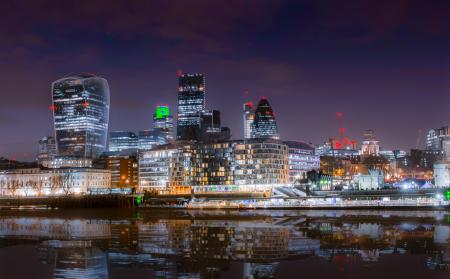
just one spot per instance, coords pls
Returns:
(81, 115)
(264, 124)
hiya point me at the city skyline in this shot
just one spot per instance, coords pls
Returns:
(308, 68)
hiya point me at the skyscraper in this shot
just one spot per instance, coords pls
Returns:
(122, 140)
(81, 115)
(163, 121)
(264, 125)
(249, 117)
(47, 149)
(191, 102)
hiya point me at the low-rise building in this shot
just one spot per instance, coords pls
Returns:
(45, 182)
(372, 181)
(442, 174)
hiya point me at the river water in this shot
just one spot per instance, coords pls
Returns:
(124, 243)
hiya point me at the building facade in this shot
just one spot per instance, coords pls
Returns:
(248, 118)
(80, 105)
(370, 146)
(124, 170)
(436, 137)
(441, 172)
(163, 121)
(302, 158)
(191, 101)
(122, 140)
(264, 125)
(238, 165)
(148, 139)
(49, 182)
(47, 150)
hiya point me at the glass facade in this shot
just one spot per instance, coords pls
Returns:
(302, 158)
(264, 125)
(122, 140)
(148, 139)
(191, 102)
(163, 121)
(81, 115)
(249, 117)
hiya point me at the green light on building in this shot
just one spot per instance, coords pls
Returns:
(162, 112)
(447, 195)
(139, 200)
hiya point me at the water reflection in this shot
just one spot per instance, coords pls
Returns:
(210, 244)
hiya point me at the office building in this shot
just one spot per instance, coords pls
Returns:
(252, 165)
(191, 101)
(47, 150)
(264, 125)
(370, 145)
(248, 118)
(302, 158)
(211, 129)
(122, 140)
(261, 162)
(80, 105)
(167, 167)
(148, 139)
(435, 138)
(123, 167)
(163, 121)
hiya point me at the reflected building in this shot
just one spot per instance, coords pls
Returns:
(80, 105)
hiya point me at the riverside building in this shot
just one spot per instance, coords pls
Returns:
(48, 182)
(256, 165)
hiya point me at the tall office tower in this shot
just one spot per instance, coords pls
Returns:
(81, 115)
(122, 140)
(47, 149)
(249, 117)
(211, 129)
(264, 125)
(370, 145)
(163, 121)
(191, 101)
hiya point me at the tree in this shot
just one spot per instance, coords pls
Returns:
(55, 182)
(38, 186)
(67, 183)
(13, 186)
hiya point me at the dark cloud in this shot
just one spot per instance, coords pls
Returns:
(378, 61)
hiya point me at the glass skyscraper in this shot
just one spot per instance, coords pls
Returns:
(191, 102)
(122, 140)
(163, 121)
(249, 117)
(81, 115)
(264, 125)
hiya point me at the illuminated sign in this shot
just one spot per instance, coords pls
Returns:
(162, 112)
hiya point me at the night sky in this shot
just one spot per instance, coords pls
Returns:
(384, 64)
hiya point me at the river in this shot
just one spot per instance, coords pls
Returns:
(127, 243)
